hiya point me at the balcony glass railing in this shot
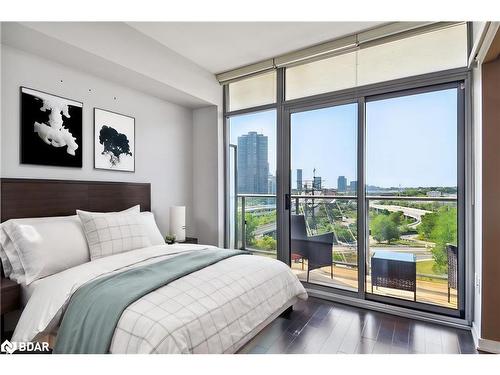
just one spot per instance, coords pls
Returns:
(255, 224)
(421, 231)
(424, 228)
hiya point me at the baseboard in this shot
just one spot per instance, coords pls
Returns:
(475, 334)
(489, 346)
(484, 345)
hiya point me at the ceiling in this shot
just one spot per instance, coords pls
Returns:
(221, 46)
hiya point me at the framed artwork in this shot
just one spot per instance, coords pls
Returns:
(114, 141)
(51, 129)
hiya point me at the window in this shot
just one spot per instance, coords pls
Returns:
(318, 77)
(419, 54)
(253, 169)
(424, 53)
(252, 92)
(371, 176)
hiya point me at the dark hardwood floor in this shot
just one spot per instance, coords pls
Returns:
(319, 326)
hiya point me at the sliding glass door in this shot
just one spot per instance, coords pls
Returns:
(375, 189)
(413, 250)
(323, 215)
(362, 196)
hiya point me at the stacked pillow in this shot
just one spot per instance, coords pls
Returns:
(109, 234)
(33, 248)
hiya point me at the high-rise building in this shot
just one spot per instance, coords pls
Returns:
(271, 184)
(342, 184)
(253, 164)
(299, 180)
(353, 186)
(317, 182)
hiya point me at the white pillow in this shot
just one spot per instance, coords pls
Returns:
(6, 266)
(133, 209)
(48, 245)
(11, 262)
(149, 222)
(113, 233)
(151, 228)
(41, 264)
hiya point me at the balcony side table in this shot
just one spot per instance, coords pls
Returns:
(394, 270)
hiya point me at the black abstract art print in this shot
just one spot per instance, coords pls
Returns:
(51, 129)
(114, 141)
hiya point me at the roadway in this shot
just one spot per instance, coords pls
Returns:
(415, 213)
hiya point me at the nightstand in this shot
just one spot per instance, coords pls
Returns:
(10, 299)
(191, 240)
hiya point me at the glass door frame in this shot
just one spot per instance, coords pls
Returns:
(361, 98)
(399, 87)
(460, 200)
(305, 107)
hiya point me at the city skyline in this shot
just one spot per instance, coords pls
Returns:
(421, 150)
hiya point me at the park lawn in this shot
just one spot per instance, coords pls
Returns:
(401, 242)
(425, 267)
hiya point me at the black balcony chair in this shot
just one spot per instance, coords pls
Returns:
(316, 249)
(452, 252)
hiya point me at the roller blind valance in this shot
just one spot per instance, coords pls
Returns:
(345, 45)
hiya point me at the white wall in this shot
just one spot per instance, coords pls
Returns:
(164, 132)
(205, 174)
(119, 47)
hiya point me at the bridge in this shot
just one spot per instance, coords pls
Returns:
(414, 213)
(265, 229)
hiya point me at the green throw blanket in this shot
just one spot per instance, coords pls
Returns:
(95, 308)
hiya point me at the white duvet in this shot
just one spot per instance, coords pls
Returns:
(209, 311)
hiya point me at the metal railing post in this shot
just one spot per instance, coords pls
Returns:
(243, 225)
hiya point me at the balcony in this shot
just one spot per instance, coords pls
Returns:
(255, 230)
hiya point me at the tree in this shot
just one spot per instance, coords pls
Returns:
(250, 226)
(384, 229)
(443, 233)
(427, 225)
(266, 243)
(440, 227)
(343, 233)
(397, 217)
(115, 144)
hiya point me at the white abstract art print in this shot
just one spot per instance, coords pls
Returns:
(51, 129)
(114, 141)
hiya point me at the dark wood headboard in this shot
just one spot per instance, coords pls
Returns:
(37, 198)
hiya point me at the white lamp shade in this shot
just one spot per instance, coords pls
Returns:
(178, 222)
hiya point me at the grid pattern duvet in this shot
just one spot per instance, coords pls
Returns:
(209, 311)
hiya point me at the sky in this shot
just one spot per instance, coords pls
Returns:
(410, 141)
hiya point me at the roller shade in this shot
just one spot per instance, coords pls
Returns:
(379, 35)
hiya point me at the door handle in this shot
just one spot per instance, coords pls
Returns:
(287, 201)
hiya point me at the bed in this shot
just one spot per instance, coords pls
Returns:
(180, 298)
